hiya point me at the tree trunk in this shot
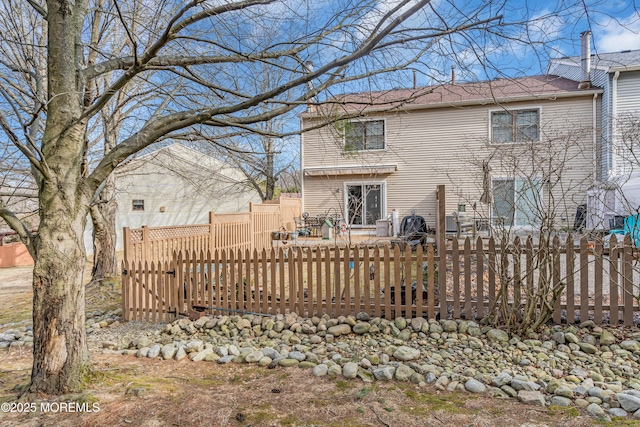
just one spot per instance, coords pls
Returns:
(60, 354)
(103, 217)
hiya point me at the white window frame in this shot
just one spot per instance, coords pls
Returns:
(383, 209)
(514, 225)
(373, 150)
(509, 110)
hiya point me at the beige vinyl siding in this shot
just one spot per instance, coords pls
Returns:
(447, 146)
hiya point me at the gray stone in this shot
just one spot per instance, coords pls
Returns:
(475, 386)
(571, 338)
(628, 402)
(226, 359)
(337, 330)
(197, 357)
(618, 412)
(406, 353)
(269, 352)
(450, 326)
(417, 323)
(180, 354)
(265, 361)
(288, 362)
(297, 356)
(497, 335)
(201, 321)
(630, 345)
(502, 379)
(384, 373)
(588, 348)
(531, 397)
(168, 351)
(563, 391)
(595, 410)
(435, 328)
(361, 328)
(607, 338)
(558, 337)
(195, 346)
(143, 352)
(404, 373)
(560, 401)
(519, 385)
(154, 351)
(254, 357)
(363, 316)
(509, 391)
(400, 323)
(350, 370)
(595, 391)
(320, 370)
(335, 370)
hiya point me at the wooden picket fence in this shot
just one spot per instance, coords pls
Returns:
(599, 283)
(230, 231)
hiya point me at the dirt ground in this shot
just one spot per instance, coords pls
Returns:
(145, 392)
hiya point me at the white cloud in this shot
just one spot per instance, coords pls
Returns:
(617, 35)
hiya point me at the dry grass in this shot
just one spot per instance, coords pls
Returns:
(144, 392)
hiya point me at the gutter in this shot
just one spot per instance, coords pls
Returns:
(595, 139)
(624, 68)
(300, 169)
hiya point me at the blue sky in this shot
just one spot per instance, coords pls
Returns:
(615, 26)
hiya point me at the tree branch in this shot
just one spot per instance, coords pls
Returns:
(18, 226)
(16, 141)
(38, 8)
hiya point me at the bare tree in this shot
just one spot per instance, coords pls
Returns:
(348, 42)
(536, 185)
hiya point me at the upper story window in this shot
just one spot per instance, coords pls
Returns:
(515, 126)
(137, 205)
(367, 135)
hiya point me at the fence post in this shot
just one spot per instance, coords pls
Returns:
(211, 236)
(440, 219)
(128, 245)
(252, 227)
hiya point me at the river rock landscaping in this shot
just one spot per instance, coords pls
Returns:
(582, 366)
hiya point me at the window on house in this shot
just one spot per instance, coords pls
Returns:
(515, 126)
(367, 135)
(364, 204)
(516, 202)
(137, 205)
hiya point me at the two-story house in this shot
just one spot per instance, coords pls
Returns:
(617, 191)
(517, 151)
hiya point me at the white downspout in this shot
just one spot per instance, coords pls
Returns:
(301, 164)
(614, 125)
(595, 140)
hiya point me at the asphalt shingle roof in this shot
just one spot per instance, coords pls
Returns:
(625, 58)
(486, 92)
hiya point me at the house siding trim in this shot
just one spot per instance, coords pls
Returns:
(350, 170)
